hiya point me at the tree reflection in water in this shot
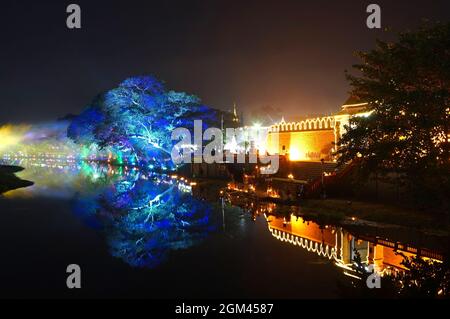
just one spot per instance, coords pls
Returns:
(143, 215)
(145, 219)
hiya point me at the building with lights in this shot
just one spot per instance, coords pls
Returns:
(309, 139)
(313, 138)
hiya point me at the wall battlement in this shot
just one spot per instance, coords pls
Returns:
(314, 138)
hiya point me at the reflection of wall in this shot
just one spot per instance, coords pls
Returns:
(336, 243)
(307, 230)
(386, 256)
(345, 249)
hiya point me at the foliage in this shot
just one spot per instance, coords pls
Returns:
(138, 117)
(407, 86)
(424, 278)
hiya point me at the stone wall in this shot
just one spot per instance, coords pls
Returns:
(303, 145)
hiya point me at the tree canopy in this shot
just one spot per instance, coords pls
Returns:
(137, 119)
(407, 86)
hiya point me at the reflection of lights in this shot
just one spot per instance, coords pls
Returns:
(290, 176)
(272, 193)
(185, 188)
(351, 275)
(309, 245)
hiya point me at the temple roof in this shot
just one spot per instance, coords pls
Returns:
(352, 99)
(352, 105)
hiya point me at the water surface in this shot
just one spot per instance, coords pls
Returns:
(137, 234)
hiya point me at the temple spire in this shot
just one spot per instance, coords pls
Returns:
(235, 115)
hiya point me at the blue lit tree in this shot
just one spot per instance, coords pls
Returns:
(137, 118)
(144, 220)
(82, 128)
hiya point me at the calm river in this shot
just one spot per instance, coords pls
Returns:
(154, 236)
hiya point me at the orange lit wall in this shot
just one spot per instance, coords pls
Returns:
(302, 145)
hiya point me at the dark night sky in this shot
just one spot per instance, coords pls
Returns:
(287, 55)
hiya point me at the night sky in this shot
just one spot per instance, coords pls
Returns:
(276, 57)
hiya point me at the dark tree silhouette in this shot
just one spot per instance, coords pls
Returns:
(407, 86)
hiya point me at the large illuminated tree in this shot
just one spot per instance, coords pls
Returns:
(407, 86)
(138, 118)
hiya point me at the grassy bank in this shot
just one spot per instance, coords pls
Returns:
(338, 210)
(9, 181)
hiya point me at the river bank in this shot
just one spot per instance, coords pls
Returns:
(8, 179)
(365, 212)
(340, 211)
